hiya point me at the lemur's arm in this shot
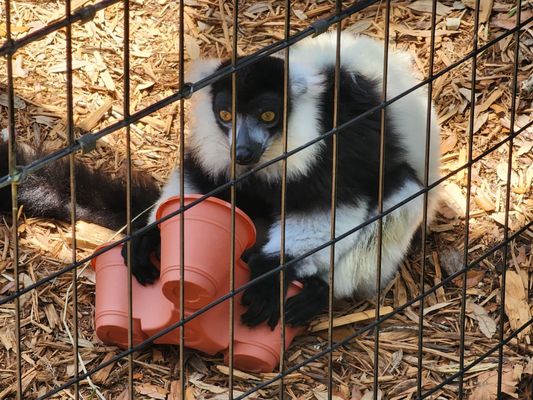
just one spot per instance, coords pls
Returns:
(303, 233)
(355, 263)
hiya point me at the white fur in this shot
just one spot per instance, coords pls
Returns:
(172, 188)
(355, 266)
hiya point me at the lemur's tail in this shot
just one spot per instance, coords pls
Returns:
(100, 199)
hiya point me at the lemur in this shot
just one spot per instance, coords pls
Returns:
(259, 139)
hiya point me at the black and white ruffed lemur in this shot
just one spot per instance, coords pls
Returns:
(309, 171)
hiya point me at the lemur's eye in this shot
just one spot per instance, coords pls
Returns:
(225, 115)
(268, 116)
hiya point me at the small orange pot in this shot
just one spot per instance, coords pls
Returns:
(206, 272)
(258, 349)
(111, 314)
(207, 244)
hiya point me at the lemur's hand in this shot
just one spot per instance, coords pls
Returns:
(262, 298)
(143, 247)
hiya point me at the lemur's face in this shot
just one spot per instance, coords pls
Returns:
(259, 113)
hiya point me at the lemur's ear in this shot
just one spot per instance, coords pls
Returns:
(201, 68)
(303, 80)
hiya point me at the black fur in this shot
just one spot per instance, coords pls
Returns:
(100, 198)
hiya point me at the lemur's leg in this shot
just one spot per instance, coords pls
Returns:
(143, 246)
(355, 257)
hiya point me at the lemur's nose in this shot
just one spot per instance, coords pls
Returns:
(245, 155)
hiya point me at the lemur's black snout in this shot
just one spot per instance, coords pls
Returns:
(246, 155)
(250, 138)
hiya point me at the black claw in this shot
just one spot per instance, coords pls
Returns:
(307, 304)
(142, 249)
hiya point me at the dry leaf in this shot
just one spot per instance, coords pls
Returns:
(356, 393)
(369, 395)
(359, 26)
(453, 24)
(300, 14)
(62, 67)
(483, 200)
(455, 198)
(153, 391)
(506, 21)
(473, 277)
(324, 396)
(448, 144)
(425, 6)
(516, 305)
(487, 384)
(487, 325)
(192, 47)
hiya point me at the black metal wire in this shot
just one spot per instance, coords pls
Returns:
(126, 112)
(420, 367)
(183, 381)
(381, 188)
(333, 199)
(119, 242)
(514, 93)
(233, 191)
(16, 174)
(282, 217)
(12, 162)
(72, 173)
(470, 146)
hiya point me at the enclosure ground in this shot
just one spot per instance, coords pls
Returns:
(47, 313)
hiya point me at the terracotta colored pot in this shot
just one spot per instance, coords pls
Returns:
(111, 314)
(207, 272)
(258, 349)
(207, 244)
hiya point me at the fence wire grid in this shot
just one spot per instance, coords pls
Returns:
(80, 384)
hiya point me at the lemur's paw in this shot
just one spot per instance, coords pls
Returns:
(307, 304)
(143, 248)
(262, 300)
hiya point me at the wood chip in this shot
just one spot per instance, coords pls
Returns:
(90, 121)
(351, 318)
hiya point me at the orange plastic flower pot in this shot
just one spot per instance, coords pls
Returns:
(207, 247)
(111, 313)
(258, 349)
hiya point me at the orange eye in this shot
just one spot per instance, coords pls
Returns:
(225, 115)
(268, 116)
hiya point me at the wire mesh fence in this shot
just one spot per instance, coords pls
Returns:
(466, 359)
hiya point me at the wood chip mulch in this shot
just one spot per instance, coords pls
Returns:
(46, 312)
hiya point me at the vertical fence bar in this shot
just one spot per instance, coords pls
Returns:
(514, 93)
(72, 173)
(126, 112)
(419, 377)
(383, 121)
(233, 193)
(284, 161)
(468, 191)
(333, 199)
(181, 78)
(12, 161)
